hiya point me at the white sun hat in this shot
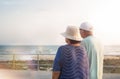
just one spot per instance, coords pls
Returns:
(86, 26)
(73, 33)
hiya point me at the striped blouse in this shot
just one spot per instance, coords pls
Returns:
(72, 62)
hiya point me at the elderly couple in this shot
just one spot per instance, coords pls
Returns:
(79, 59)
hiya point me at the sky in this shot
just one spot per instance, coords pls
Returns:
(40, 22)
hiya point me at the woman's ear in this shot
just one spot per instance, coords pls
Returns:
(67, 41)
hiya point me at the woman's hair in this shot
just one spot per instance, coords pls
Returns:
(74, 41)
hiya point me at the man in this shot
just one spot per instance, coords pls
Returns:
(94, 50)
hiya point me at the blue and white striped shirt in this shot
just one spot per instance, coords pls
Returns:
(72, 62)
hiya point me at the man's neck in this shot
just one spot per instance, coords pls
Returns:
(88, 35)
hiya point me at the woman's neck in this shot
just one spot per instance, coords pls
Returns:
(78, 44)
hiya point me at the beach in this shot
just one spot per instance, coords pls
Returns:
(111, 63)
(30, 74)
(44, 71)
(32, 64)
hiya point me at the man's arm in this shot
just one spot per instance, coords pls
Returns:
(55, 74)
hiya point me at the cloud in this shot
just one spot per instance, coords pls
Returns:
(37, 21)
(42, 21)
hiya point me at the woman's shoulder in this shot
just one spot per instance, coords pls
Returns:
(83, 48)
(69, 47)
(64, 46)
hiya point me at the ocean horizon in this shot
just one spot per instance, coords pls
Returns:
(29, 52)
(48, 49)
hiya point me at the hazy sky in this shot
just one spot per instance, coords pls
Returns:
(40, 22)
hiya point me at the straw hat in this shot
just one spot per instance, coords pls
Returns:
(72, 32)
(86, 26)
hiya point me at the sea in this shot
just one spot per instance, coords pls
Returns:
(28, 52)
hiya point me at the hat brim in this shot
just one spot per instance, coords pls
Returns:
(70, 37)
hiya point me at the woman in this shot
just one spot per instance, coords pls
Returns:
(71, 61)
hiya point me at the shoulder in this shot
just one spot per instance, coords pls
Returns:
(82, 48)
(63, 47)
(88, 38)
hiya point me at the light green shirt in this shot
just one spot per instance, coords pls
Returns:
(95, 55)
